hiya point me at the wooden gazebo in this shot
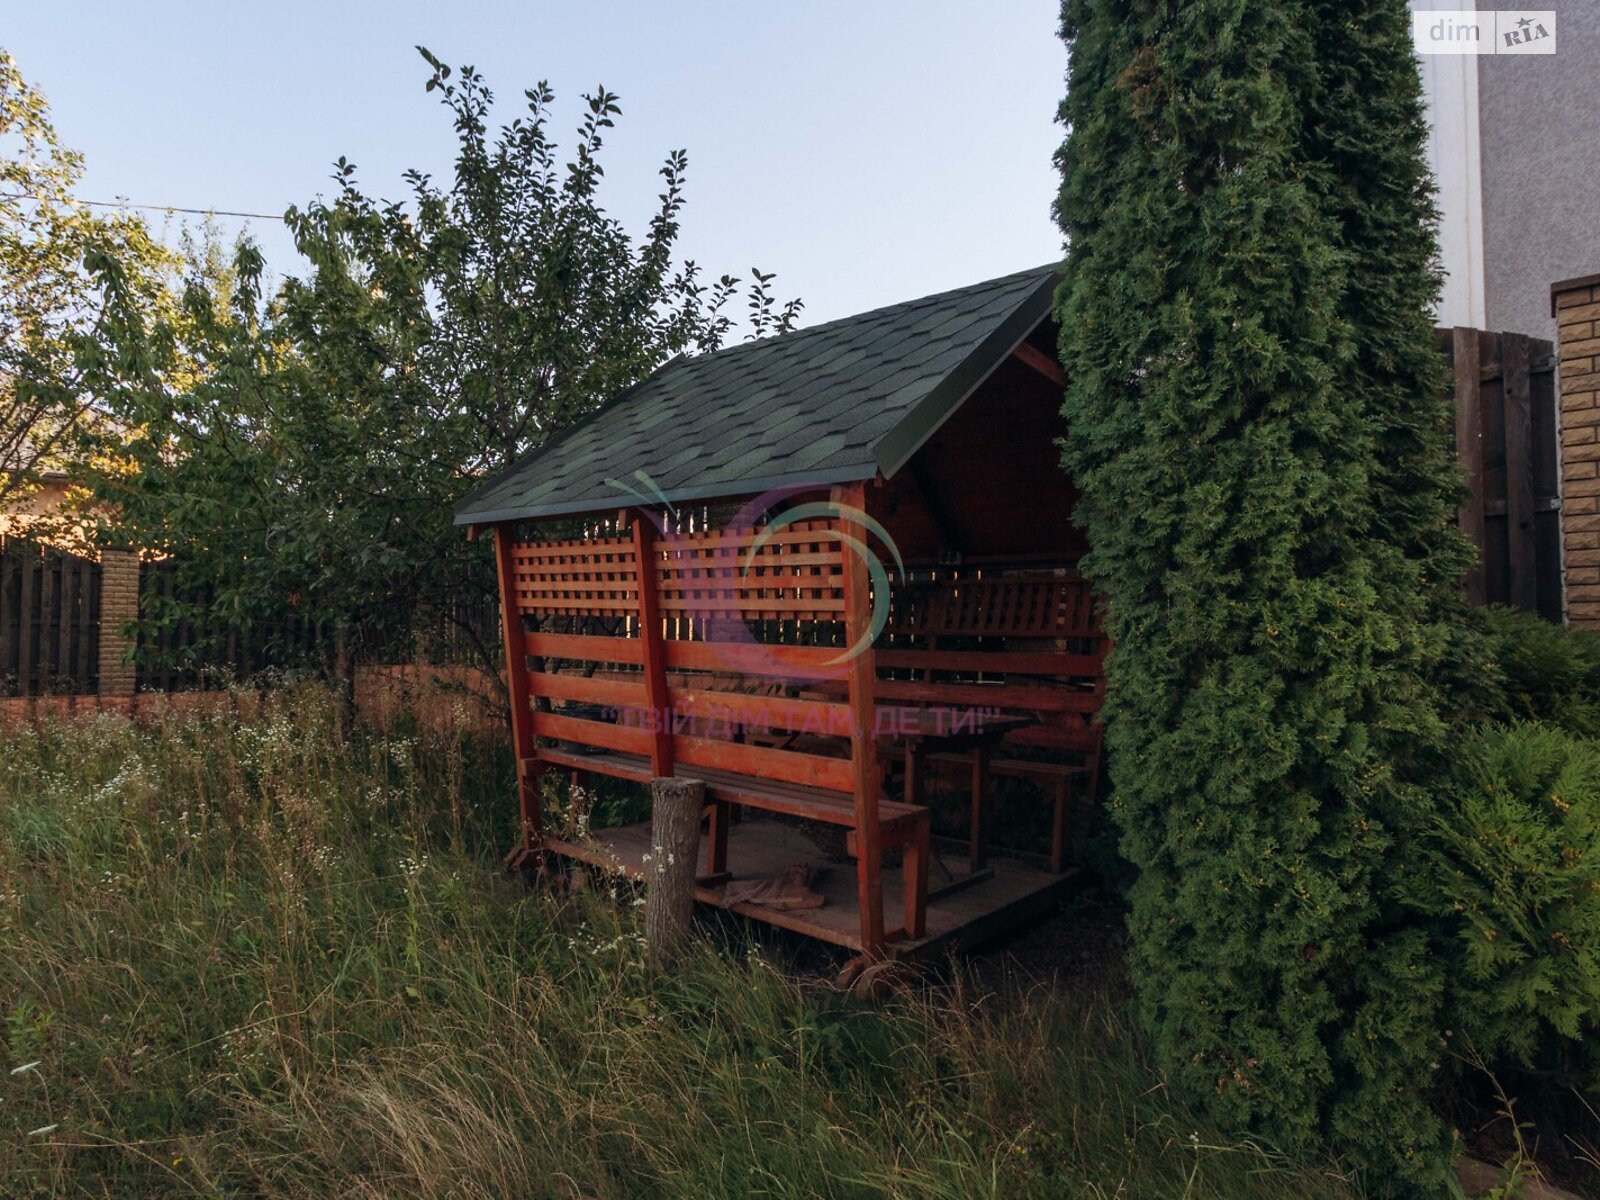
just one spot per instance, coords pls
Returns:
(815, 571)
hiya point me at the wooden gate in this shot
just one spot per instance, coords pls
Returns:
(1505, 397)
(49, 620)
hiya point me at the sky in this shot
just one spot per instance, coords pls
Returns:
(866, 152)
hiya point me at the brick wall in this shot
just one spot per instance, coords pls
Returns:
(1576, 306)
(119, 604)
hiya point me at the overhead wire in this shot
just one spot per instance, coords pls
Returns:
(165, 208)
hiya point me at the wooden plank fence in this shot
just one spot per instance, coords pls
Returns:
(201, 650)
(49, 620)
(1504, 386)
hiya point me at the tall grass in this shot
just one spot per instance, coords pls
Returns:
(244, 957)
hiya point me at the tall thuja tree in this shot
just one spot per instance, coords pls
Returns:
(1364, 136)
(1227, 470)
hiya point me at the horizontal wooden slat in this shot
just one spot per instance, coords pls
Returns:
(754, 608)
(770, 712)
(616, 547)
(587, 647)
(634, 767)
(995, 662)
(813, 804)
(584, 689)
(749, 659)
(578, 606)
(591, 733)
(1075, 736)
(811, 571)
(616, 567)
(834, 774)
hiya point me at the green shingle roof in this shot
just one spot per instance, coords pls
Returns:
(832, 403)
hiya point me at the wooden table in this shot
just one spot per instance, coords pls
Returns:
(925, 730)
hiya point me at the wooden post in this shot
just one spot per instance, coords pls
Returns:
(862, 677)
(914, 869)
(978, 852)
(914, 767)
(655, 654)
(516, 646)
(676, 806)
(1061, 796)
(1469, 451)
(1521, 548)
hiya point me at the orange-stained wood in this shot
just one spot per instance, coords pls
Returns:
(1042, 363)
(591, 733)
(749, 659)
(654, 658)
(587, 647)
(784, 766)
(583, 689)
(762, 712)
(517, 691)
(861, 676)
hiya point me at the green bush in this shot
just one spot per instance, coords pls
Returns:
(1536, 671)
(1511, 869)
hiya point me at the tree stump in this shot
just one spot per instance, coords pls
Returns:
(676, 806)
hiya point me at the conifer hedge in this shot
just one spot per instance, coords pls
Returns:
(1256, 425)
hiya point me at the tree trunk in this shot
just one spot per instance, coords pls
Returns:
(676, 806)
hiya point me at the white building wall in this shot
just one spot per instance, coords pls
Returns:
(1450, 88)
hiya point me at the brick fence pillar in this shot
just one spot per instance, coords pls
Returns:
(119, 604)
(1576, 306)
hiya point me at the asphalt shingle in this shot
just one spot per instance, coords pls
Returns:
(835, 402)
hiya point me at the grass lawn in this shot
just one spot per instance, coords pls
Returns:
(244, 957)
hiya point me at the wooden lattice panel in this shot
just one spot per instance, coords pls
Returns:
(595, 577)
(1045, 606)
(795, 574)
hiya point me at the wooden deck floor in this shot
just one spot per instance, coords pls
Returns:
(963, 917)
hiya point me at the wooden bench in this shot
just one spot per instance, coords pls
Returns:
(899, 825)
